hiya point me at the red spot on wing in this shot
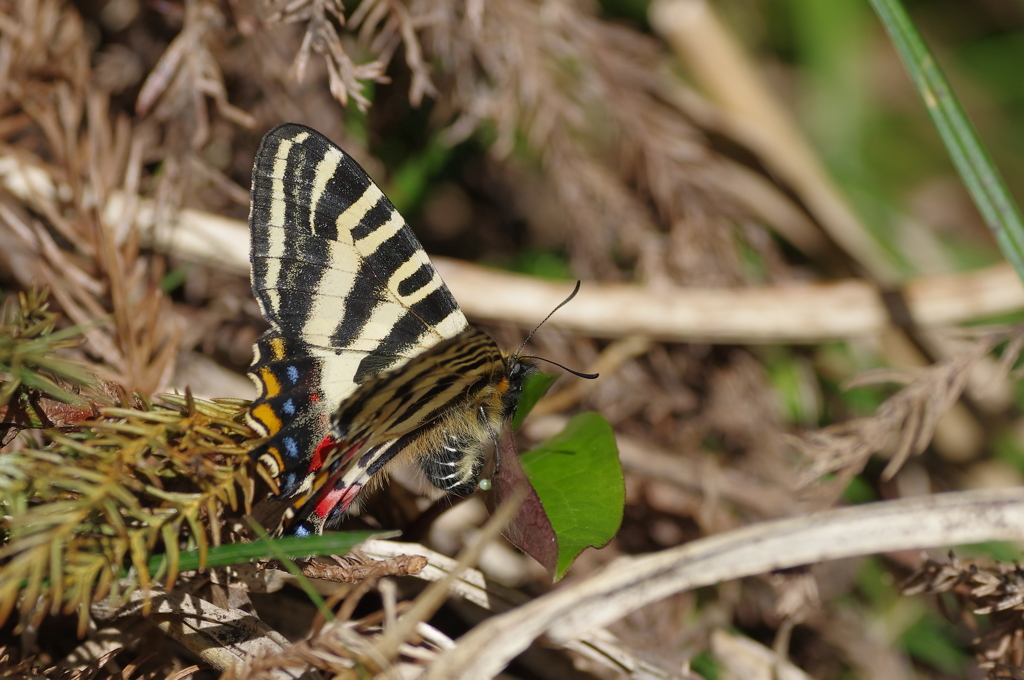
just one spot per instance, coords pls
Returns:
(349, 496)
(335, 497)
(330, 496)
(321, 453)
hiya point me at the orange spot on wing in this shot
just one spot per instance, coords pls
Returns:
(271, 386)
(265, 414)
(277, 347)
(278, 463)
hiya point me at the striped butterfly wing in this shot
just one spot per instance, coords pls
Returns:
(437, 411)
(347, 289)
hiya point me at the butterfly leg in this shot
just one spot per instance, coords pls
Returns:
(494, 440)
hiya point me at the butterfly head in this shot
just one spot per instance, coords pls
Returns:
(518, 369)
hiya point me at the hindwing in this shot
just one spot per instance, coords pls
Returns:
(438, 411)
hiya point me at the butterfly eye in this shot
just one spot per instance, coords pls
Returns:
(515, 369)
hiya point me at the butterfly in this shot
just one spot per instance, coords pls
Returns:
(368, 363)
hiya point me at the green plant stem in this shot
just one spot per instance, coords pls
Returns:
(972, 161)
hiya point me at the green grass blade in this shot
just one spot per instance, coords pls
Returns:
(291, 547)
(972, 161)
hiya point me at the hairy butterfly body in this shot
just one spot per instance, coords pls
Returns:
(368, 362)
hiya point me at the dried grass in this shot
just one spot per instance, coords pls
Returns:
(982, 591)
(161, 106)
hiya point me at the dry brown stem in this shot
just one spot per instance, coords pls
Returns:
(356, 567)
(321, 18)
(911, 415)
(850, 308)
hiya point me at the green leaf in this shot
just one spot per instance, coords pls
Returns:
(537, 385)
(970, 157)
(578, 477)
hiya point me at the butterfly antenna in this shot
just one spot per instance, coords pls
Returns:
(559, 306)
(588, 376)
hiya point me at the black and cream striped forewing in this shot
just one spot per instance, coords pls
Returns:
(347, 289)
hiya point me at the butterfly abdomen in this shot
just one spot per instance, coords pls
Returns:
(454, 451)
(452, 460)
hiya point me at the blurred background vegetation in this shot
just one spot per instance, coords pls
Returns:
(564, 139)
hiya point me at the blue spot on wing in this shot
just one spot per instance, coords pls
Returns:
(293, 374)
(288, 407)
